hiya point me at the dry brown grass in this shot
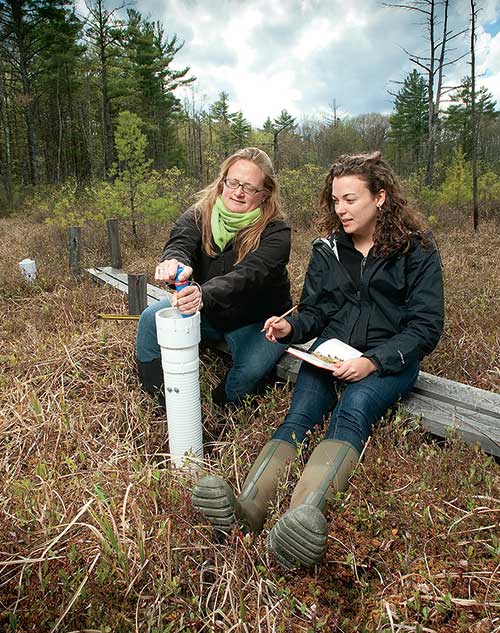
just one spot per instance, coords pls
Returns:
(97, 533)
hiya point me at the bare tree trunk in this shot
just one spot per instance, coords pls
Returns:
(433, 65)
(107, 122)
(102, 18)
(276, 150)
(431, 141)
(475, 203)
(6, 160)
(29, 110)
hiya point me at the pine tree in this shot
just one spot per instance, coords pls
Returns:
(131, 144)
(150, 83)
(240, 131)
(105, 33)
(285, 121)
(459, 115)
(222, 119)
(268, 126)
(59, 83)
(409, 121)
(19, 49)
(219, 110)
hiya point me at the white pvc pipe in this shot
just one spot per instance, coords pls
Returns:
(178, 338)
(28, 268)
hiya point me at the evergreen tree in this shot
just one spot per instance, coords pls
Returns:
(59, 84)
(19, 47)
(39, 55)
(240, 131)
(219, 110)
(459, 115)
(285, 121)
(150, 83)
(268, 126)
(105, 33)
(131, 144)
(222, 119)
(409, 121)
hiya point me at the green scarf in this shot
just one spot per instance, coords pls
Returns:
(226, 224)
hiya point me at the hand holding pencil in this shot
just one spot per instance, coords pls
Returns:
(276, 327)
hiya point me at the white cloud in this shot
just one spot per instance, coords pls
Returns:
(317, 36)
(303, 54)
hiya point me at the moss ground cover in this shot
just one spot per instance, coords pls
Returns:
(98, 534)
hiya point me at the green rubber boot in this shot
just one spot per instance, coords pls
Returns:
(215, 499)
(299, 537)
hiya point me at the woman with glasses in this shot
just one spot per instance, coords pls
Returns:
(235, 244)
(374, 281)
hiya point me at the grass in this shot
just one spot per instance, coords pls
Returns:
(98, 534)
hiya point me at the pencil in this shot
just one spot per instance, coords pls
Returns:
(282, 316)
(119, 317)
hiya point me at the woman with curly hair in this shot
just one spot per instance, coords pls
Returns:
(235, 244)
(374, 281)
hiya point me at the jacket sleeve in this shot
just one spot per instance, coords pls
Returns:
(185, 239)
(316, 303)
(255, 271)
(424, 318)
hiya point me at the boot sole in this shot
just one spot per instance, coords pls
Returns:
(299, 538)
(215, 500)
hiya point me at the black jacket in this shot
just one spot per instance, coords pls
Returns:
(235, 295)
(395, 316)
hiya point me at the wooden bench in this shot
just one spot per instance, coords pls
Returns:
(440, 404)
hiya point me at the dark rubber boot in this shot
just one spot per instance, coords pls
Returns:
(299, 537)
(219, 397)
(215, 499)
(151, 377)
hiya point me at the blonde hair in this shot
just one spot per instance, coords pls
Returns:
(248, 239)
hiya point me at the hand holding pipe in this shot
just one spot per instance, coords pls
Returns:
(180, 285)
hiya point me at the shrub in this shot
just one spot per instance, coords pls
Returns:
(452, 201)
(67, 205)
(301, 190)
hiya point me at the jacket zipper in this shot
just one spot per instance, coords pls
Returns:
(363, 264)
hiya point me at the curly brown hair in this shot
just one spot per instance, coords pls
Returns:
(248, 239)
(397, 225)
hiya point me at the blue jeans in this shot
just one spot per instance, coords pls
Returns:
(354, 407)
(253, 355)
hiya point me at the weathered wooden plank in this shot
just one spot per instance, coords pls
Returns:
(74, 248)
(441, 404)
(439, 417)
(118, 279)
(114, 242)
(442, 389)
(137, 293)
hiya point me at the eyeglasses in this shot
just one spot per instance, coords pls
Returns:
(232, 183)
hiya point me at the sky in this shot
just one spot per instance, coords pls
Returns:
(306, 56)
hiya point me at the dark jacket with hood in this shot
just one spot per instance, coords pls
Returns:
(233, 294)
(394, 316)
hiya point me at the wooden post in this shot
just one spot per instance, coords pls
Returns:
(137, 293)
(114, 243)
(74, 244)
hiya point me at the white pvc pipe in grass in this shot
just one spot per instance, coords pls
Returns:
(178, 338)
(28, 268)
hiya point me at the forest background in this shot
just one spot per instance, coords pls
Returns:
(92, 123)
